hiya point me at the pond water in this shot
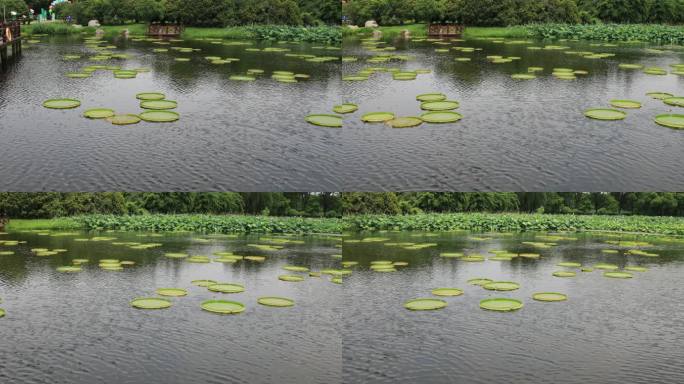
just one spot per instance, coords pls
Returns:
(80, 328)
(232, 135)
(608, 331)
(515, 134)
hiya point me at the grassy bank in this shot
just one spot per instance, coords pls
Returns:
(420, 30)
(324, 34)
(47, 224)
(483, 222)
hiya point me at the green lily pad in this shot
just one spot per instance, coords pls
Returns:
(377, 117)
(564, 274)
(670, 121)
(674, 101)
(226, 288)
(174, 292)
(158, 104)
(150, 303)
(405, 122)
(224, 307)
(176, 255)
(330, 121)
(569, 264)
(441, 117)
(150, 96)
(523, 76)
(345, 108)
(203, 283)
(2, 312)
(242, 78)
(275, 301)
(444, 105)
(154, 116)
(294, 268)
(501, 286)
(618, 275)
(605, 114)
(629, 104)
(659, 95)
(480, 281)
(431, 97)
(291, 278)
(549, 296)
(99, 113)
(425, 304)
(501, 304)
(447, 292)
(636, 269)
(78, 75)
(124, 119)
(631, 66)
(68, 268)
(61, 103)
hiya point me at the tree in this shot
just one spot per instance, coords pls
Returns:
(8, 6)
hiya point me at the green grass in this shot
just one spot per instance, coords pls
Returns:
(516, 222)
(35, 224)
(500, 32)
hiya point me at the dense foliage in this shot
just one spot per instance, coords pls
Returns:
(515, 12)
(214, 13)
(483, 222)
(655, 204)
(8, 6)
(212, 223)
(609, 32)
(54, 204)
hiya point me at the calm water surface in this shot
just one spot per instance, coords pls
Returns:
(515, 135)
(232, 135)
(80, 328)
(609, 330)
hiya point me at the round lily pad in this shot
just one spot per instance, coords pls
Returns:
(291, 278)
(564, 274)
(150, 303)
(670, 121)
(377, 117)
(224, 307)
(226, 288)
(68, 269)
(159, 116)
(659, 95)
(447, 292)
(150, 96)
(605, 114)
(242, 78)
(176, 255)
(472, 258)
(523, 76)
(501, 286)
(275, 301)
(631, 66)
(124, 119)
(78, 75)
(425, 304)
(618, 275)
(405, 122)
(441, 117)
(61, 103)
(330, 121)
(345, 108)
(158, 104)
(431, 97)
(444, 105)
(203, 283)
(480, 281)
(636, 269)
(549, 296)
(99, 113)
(569, 264)
(2, 312)
(294, 268)
(606, 266)
(628, 104)
(674, 101)
(501, 304)
(175, 292)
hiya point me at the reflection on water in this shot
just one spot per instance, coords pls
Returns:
(515, 135)
(608, 331)
(80, 328)
(235, 135)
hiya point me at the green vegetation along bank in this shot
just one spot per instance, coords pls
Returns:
(477, 222)
(515, 222)
(653, 33)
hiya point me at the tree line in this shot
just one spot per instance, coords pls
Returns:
(209, 13)
(514, 12)
(55, 204)
(634, 203)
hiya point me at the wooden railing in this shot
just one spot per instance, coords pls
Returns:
(164, 30)
(10, 30)
(446, 29)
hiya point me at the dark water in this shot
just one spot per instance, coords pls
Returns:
(79, 328)
(515, 135)
(609, 330)
(246, 136)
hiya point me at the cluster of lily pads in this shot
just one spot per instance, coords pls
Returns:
(669, 120)
(505, 304)
(157, 110)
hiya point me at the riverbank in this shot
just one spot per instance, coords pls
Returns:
(191, 223)
(654, 33)
(515, 222)
(320, 34)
